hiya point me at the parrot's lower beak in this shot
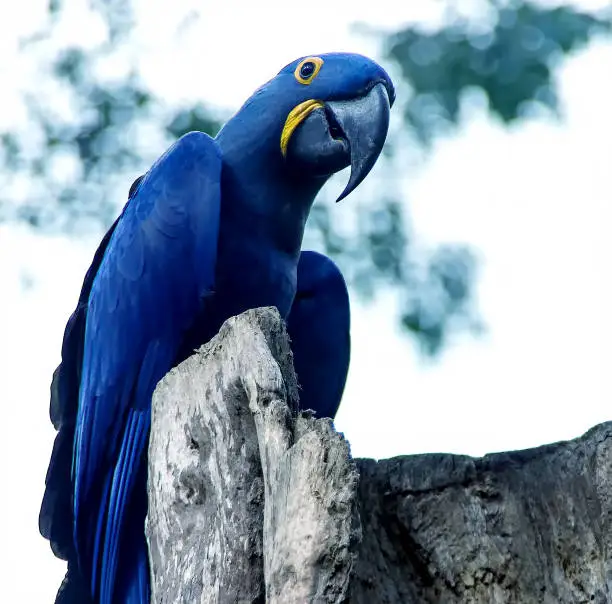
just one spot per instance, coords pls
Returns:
(364, 123)
(320, 138)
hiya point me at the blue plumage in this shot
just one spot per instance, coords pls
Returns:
(148, 288)
(319, 326)
(213, 228)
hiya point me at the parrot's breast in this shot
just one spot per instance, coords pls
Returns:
(249, 274)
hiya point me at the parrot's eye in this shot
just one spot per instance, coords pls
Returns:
(307, 70)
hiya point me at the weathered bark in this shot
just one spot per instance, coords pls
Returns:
(246, 503)
(523, 527)
(251, 502)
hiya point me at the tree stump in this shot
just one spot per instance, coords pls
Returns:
(251, 501)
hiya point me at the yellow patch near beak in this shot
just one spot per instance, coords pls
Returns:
(296, 116)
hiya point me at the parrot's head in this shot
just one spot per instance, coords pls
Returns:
(320, 114)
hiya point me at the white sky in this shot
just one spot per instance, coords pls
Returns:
(533, 201)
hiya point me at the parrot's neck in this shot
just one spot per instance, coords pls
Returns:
(261, 195)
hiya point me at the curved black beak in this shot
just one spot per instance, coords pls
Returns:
(364, 123)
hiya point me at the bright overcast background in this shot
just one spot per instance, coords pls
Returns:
(532, 200)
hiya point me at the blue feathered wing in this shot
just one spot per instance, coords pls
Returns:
(157, 270)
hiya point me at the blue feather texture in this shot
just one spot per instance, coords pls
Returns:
(319, 327)
(147, 291)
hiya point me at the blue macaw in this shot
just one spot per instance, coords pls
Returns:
(214, 228)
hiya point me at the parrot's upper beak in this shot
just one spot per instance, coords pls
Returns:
(325, 137)
(364, 123)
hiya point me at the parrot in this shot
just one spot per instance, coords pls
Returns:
(212, 229)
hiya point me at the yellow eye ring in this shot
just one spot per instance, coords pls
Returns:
(307, 70)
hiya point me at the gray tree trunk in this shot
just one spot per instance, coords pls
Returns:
(251, 502)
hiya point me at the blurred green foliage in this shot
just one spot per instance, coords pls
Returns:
(512, 62)
(78, 162)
